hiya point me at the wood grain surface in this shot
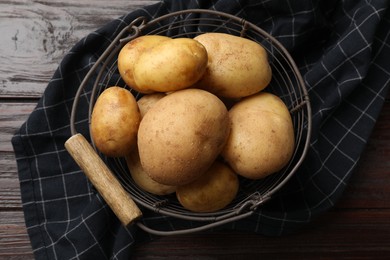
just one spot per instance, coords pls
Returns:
(36, 34)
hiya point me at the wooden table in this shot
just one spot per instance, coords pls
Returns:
(35, 35)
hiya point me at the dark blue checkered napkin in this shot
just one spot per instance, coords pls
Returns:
(342, 50)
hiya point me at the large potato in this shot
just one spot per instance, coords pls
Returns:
(114, 122)
(213, 191)
(261, 140)
(181, 136)
(130, 53)
(171, 65)
(237, 67)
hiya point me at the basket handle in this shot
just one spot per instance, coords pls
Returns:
(103, 179)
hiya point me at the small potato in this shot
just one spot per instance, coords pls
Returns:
(213, 191)
(130, 53)
(172, 65)
(261, 140)
(181, 136)
(237, 67)
(147, 101)
(142, 179)
(114, 122)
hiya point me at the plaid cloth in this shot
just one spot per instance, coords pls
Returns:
(342, 50)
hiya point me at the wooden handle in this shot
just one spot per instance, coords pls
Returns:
(103, 179)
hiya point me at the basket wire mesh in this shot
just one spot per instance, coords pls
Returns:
(286, 83)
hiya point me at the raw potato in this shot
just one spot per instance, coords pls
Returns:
(211, 192)
(171, 65)
(237, 67)
(130, 53)
(147, 101)
(261, 141)
(114, 122)
(181, 136)
(142, 179)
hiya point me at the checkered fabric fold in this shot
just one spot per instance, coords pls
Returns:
(341, 49)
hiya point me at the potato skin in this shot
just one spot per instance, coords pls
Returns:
(130, 53)
(172, 65)
(148, 101)
(261, 141)
(211, 192)
(114, 122)
(237, 67)
(142, 179)
(181, 136)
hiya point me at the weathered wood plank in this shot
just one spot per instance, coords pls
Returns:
(14, 241)
(37, 34)
(356, 234)
(8, 173)
(10, 199)
(12, 116)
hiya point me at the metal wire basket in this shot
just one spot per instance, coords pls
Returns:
(286, 83)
